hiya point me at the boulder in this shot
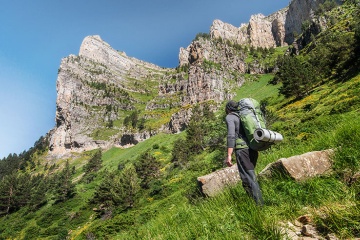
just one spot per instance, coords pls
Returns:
(215, 182)
(301, 167)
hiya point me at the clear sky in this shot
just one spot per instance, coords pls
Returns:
(35, 35)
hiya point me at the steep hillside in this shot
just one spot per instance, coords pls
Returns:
(149, 190)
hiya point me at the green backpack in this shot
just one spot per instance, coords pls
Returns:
(251, 118)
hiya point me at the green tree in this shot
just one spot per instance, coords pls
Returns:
(198, 128)
(297, 77)
(93, 166)
(22, 193)
(180, 153)
(130, 186)
(132, 119)
(38, 192)
(118, 188)
(147, 168)
(64, 188)
(7, 193)
(108, 193)
(200, 134)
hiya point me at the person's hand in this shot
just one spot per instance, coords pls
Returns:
(228, 161)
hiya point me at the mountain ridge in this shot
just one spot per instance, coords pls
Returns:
(100, 87)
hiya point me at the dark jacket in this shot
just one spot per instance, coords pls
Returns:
(235, 130)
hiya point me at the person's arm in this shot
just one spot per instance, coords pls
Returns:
(228, 158)
(231, 137)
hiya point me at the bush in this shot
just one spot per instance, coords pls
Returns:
(32, 232)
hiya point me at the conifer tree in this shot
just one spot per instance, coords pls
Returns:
(130, 186)
(22, 194)
(147, 168)
(7, 193)
(108, 192)
(38, 192)
(118, 188)
(64, 188)
(297, 77)
(94, 164)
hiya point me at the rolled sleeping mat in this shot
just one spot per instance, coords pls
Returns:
(266, 135)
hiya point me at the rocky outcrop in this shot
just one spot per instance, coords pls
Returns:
(301, 167)
(261, 31)
(97, 87)
(275, 30)
(298, 12)
(92, 89)
(215, 182)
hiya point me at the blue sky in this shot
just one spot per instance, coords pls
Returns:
(35, 35)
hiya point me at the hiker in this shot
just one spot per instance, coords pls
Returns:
(246, 157)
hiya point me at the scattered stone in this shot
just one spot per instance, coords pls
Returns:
(301, 167)
(331, 237)
(308, 231)
(215, 182)
(355, 178)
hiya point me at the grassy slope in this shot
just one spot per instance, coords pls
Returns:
(231, 214)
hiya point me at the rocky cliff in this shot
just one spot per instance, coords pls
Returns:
(106, 98)
(101, 87)
(93, 90)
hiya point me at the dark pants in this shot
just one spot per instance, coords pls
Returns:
(246, 161)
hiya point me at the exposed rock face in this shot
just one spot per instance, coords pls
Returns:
(298, 12)
(261, 31)
(96, 87)
(91, 89)
(183, 56)
(277, 29)
(227, 31)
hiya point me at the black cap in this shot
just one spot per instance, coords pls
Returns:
(232, 106)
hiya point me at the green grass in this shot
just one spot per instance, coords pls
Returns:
(115, 156)
(258, 89)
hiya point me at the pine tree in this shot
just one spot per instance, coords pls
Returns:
(64, 188)
(94, 165)
(147, 168)
(38, 192)
(130, 186)
(195, 132)
(22, 193)
(7, 193)
(297, 77)
(108, 193)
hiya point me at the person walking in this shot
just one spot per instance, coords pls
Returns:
(246, 158)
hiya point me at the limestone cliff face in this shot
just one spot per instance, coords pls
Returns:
(92, 90)
(99, 88)
(277, 29)
(261, 31)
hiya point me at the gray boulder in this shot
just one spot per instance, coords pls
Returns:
(215, 182)
(301, 167)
